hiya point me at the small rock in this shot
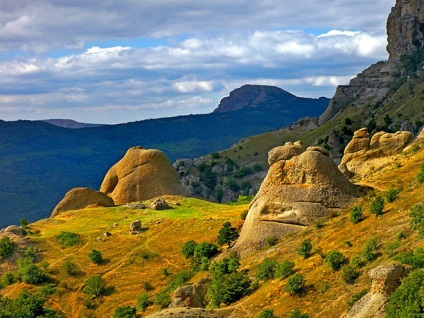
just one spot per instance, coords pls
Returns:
(159, 204)
(135, 227)
(107, 234)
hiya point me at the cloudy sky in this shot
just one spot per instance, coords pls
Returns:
(109, 61)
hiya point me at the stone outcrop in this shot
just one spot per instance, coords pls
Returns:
(363, 154)
(159, 204)
(289, 150)
(140, 175)
(385, 279)
(405, 36)
(135, 227)
(297, 191)
(193, 296)
(80, 198)
(186, 312)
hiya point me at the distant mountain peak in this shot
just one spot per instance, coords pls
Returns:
(250, 96)
(69, 123)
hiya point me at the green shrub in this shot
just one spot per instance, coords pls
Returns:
(67, 239)
(357, 261)
(417, 222)
(305, 249)
(295, 285)
(95, 286)
(267, 313)
(335, 260)
(392, 194)
(147, 286)
(24, 223)
(125, 312)
(266, 269)
(271, 241)
(143, 301)
(243, 172)
(377, 206)
(391, 247)
(420, 176)
(227, 234)
(202, 254)
(32, 274)
(356, 297)
(296, 313)
(231, 184)
(228, 284)
(415, 258)
(70, 268)
(349, 274)
(370, 251)
(356, 214)
(188, 248)
(284, 269)
(6, 247)
(95, 256)
(408, 299)
(7, 279)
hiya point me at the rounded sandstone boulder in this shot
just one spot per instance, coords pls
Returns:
(285, 152)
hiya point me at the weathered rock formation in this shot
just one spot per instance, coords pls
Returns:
(405, 36)
(298, 190)
(135, 227)
(141, 174)
(159, 204)
(385, 279)
(364, 153)
(186, 312)
(193, 296)
(80, 198)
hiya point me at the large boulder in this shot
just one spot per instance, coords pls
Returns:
(295, 193)
(80, 198)
(363, 154)
(141, 174)
(193, 296)
(385, 279)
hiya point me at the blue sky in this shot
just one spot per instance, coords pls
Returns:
(119, 61)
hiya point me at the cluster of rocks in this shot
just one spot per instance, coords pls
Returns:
(140, 175)
(364, 153)
(301, 187)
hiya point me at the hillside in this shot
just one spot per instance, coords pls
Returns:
(40, 162)
(154, 256)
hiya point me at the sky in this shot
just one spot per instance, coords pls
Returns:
(109, 61)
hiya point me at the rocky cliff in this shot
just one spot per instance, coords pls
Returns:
(405, 35)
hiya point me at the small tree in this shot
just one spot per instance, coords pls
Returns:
(95, 286)
(202, 253)
(296, 313)
(67, 239)
(24, 223)
(356, 214)
(335, 260)
(305, 249)
(70, 268)
(95, 256)
(295, 285)
(284, 269)
(125, 312)
(349, 274)
(417, 222)
(227, 234)
(6, 247)
(370, 250)
(143, 301)
(188, 248)
(392, 194)
(377, 206)
(266, 269)
(267, 313)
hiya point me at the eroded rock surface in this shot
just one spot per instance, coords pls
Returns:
(297, 191)
(193, 296)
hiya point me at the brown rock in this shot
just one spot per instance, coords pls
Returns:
(193, 296)
(159, 204)
(359, 142)
(285, 152)
(385, 279)
(319, 149)
(295, 193)
(141, 174)
(135, 227)
(80, 198)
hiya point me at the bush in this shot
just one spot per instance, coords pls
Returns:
(125, 312)
(295, 285)
(357, 261)
(420, 176)
(417, 222)
(7, 279)
(392, 194)
(188, 248)
(349, 274)
(271, 241)
(70, 268)
(266, 269)
(377, 206)
(356, 297)
(227, 234)
(227, 285)
(284, 269)
(408, 299)
(67, 239)
(370, 250)
(95, 256)
(415, 258)
(231, 184)
(335, 260)
(143, 301)
(305, 249)
(147, 286)
(32, 274)
(356, 214)
(296, 313)
(267, 313)
(95, 286)
(391, 247)
(6, 247)
(202, 253)
(24, 223)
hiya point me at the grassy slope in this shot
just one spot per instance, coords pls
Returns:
(166, 231)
